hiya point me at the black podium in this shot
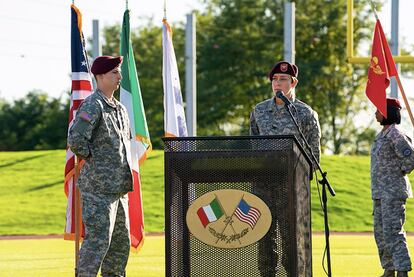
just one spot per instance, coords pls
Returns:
(237, 206)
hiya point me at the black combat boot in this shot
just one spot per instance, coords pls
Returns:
(402, 274)
(389, 273)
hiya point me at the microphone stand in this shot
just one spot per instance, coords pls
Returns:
(324, 182)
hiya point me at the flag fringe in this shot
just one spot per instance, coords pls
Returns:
(169, 135)
(168, 26)
(139, 246)
(79, 14)
(145, 140)
(145, 156)
(71, 236)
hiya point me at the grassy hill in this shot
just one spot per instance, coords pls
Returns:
(32, 200)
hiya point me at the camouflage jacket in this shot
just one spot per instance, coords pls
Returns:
(392, 157)
(267, 118)
(101, 136)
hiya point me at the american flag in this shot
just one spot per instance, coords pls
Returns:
(81, 88)
(247, 213)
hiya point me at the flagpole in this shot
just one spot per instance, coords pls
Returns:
(407, 105)
(78, 217)
(165, 9)
(374, 9)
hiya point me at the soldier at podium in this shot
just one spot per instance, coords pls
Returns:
(271, 117)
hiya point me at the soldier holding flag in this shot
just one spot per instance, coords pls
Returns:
(392, 158)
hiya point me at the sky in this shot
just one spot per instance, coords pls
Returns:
(35, 36)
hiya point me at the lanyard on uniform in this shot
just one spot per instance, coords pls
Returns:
(119, 118)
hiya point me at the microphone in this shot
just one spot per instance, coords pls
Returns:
(279, 94)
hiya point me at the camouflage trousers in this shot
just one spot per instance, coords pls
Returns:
(389, 219)
(107, 241)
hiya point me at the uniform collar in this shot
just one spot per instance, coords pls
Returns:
(272, 106)
(385, 132)
(114, 103)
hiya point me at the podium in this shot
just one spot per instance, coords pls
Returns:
(237, 206)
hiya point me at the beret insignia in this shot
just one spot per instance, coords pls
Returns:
(284, 67)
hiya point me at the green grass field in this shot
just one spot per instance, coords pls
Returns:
(351, 256)
(32, 200)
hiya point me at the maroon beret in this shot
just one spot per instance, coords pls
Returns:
(104, 64)
(392, 102)
(284, 68)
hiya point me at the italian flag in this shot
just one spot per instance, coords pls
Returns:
(210, 213)
(140, 142)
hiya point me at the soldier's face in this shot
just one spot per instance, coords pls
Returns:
(283, 82)
(112, 79)
(379, 116)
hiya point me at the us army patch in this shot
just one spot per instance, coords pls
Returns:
(85, 116)
(407, 152)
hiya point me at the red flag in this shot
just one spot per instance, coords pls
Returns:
(381, 68)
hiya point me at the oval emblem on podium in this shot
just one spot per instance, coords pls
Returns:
(228, 218)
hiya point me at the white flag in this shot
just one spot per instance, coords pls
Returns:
(174, 116)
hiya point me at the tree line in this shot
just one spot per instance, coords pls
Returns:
(34, 122)
(238, 41)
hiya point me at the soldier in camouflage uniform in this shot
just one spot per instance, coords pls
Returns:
(392, 158)
(270, 117)
(100, 135)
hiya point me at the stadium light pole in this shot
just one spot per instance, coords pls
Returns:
(395, 48)
(289, 32)
(191, 75)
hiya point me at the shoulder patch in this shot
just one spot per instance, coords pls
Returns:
(407, 152)
(85, 116)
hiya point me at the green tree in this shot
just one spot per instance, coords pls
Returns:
(147, 43)
(238, 41)
(333, 87)
(33, 122)
(246, 38)
(364, 139)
